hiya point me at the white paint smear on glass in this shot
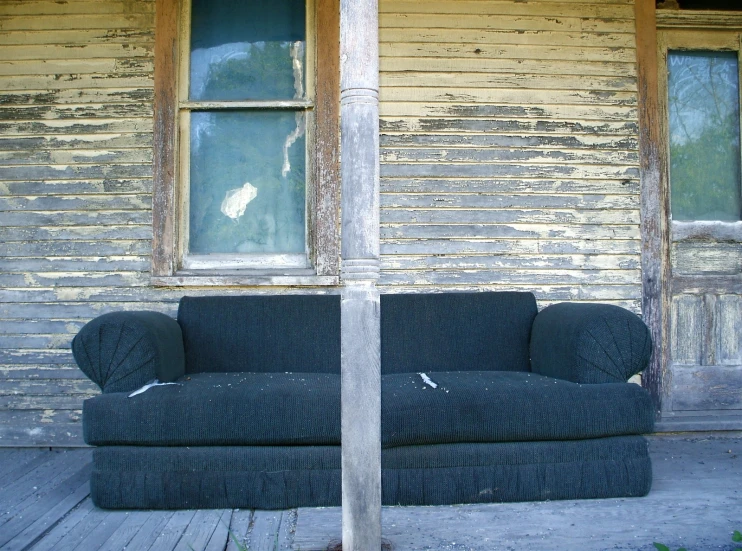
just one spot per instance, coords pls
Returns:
(297, 54)
(236, 200)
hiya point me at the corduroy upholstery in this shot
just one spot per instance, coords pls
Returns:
(254, 420)
(122, 351)
(280, 477)
(589, 343)
(456, 332)
(250, 409)
(481, 406)
(221, 409)
(274, 334)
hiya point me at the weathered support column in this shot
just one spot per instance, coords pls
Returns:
(360, 339)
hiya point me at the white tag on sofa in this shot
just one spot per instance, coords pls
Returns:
(427, 380)
(145, 388)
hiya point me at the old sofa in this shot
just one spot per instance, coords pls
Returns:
(527, 405)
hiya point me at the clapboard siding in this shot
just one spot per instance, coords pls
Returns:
(509, 147)
(76, 93)
(509, 161)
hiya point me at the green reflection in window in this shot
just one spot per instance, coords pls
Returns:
(247, 191)
(703, 90)
(247, 50)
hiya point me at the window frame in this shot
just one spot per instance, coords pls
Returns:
(686, 39)
(170, 264)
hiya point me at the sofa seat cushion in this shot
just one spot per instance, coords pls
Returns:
(486, 406)
(220, 409)
(224, 409)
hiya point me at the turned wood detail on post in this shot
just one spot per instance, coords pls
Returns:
(359, 271)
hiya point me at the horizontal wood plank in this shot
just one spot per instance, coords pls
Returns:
(600, 118)
(39, 428)
(698, 388)
(504, 22)
(412, 34)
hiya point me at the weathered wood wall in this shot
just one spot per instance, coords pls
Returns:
(509, 147)
(75, 197)
(703, 379)
(509, 161)
(705, 374)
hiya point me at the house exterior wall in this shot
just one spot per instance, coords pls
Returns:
(508, 150)
(75, 197)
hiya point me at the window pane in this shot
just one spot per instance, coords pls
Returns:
(247, 50)
(247, 182)
(704, 135)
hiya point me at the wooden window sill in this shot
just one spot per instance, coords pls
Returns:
(247, 278)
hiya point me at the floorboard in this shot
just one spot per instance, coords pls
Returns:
(98, 536)
(21, 469)
(14, 463)
(199, 530)
(220, 537)
(694, 503)
(133, 522)
(151, 529)
(41, 510)
(238, 529)
(264, 532)
(33, 485)
(74, 537)
(173, 531)
(51, 512)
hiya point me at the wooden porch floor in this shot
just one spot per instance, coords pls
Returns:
(696, 502)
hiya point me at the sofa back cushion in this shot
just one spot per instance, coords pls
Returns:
(262, 334)
(456, 331)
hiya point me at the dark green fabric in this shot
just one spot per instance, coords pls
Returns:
(264, 477)
(121, 351)
(215, 409)
(456, 331)
(221, 409)
(516, 471)
(285, 477)
(589, 343)
(261, 334)
(481, 406)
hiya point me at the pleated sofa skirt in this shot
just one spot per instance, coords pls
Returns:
(284, 477)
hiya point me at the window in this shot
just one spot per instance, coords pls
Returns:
(703, 126)
(245, 177)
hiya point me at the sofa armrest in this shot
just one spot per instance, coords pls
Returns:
(122, 351)
(589, 343)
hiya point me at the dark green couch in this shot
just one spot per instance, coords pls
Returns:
(527, 405)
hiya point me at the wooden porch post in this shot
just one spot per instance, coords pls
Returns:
(654, 204)
(360, 334)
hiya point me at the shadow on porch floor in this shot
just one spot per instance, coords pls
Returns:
(696, 502)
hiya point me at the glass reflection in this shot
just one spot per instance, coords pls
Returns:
(247, 192)
(248, 50)
(703, 94)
